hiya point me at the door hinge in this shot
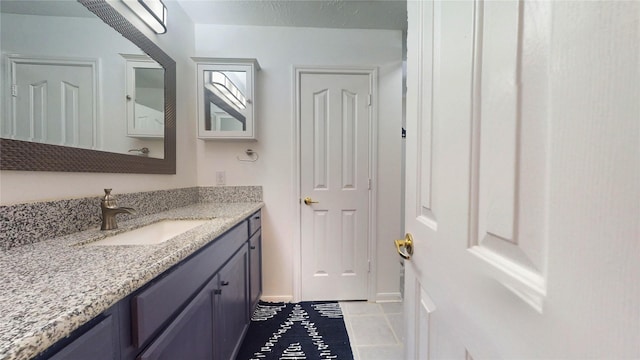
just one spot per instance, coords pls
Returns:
(14, 90)
(370, 99)
(369, 184)
(368, 265)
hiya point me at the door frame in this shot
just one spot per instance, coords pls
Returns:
(372, 72)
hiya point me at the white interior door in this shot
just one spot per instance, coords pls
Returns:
(54, 103)
(334, 135)
(523, 180)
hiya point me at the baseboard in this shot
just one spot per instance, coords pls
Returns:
(388, 297)
(277, 298)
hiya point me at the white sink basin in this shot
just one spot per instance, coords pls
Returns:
(155, 233)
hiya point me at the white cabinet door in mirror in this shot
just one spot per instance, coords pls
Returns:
(226, 98)
(145, 97)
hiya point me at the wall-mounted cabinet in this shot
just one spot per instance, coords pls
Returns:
(144, 97)
(226, 98)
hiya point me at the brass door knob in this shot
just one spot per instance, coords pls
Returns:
(406, 243)
(309, 201)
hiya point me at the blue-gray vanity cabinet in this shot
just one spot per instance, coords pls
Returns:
(213, 324)
(255, 269)
(198, 309)
(255, 259)
(153, 306)
(190, 335)
(255, 222)
(97, 341)
(232, 306)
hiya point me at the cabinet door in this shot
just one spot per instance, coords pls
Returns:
(255, 222)
(226, 98)
(233, 304)
(156, 304)
(190, 335)
(97, 343)
(255, 269)
(145, 97)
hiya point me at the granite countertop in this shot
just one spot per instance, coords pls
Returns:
(50, 288)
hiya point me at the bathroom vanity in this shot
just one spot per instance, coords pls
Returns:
(190, 297)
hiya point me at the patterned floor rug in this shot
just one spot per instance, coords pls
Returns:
(301, 331)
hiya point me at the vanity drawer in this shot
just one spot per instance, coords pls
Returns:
(255, 222)
(155, 305)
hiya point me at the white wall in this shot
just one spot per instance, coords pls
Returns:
(278, 50)
(179, 43)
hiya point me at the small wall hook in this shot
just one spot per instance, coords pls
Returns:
(251, 154)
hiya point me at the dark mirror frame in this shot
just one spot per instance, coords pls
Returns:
(31, 156)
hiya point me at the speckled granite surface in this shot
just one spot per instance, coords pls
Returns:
(50, 288)
(230, 194)
(29, 223)
(33, 222)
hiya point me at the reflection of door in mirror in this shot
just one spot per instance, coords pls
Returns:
(57, 96)
(145, 97)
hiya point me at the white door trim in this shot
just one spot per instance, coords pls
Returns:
(373, 170)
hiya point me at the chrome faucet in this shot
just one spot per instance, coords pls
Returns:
(109, 211)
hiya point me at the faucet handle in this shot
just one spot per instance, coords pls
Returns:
(108, 200)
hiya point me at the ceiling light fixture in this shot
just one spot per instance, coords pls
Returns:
(152, 12)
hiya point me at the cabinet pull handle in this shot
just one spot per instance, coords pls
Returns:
(224, 283)
(217, 292)
(257, 218)
(252, 247)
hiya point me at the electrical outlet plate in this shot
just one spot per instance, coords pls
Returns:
(221, 178)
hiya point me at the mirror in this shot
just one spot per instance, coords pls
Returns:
(225, 100)
(67, 110)
(145, 100)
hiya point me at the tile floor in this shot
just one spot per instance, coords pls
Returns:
(375, 329)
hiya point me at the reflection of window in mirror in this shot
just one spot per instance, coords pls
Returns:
(145, 98)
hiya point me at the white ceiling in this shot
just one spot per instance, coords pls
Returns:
(350, 14)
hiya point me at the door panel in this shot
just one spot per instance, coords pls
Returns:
(58, 100)
(509, 142)
(335, 125)
(523, 191)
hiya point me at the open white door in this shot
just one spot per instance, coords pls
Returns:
(523, 180)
